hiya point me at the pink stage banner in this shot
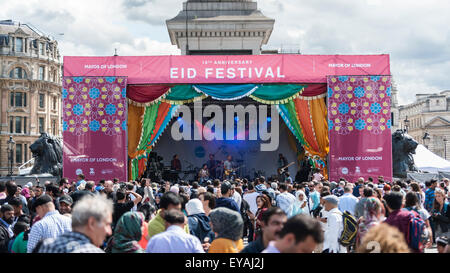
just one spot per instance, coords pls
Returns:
(359, 123)
(227, 69)
(95, 127)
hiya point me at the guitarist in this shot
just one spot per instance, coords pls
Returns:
(282, 163)
(228, 167)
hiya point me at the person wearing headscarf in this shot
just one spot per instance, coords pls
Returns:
(300, 205)
(157, 200)
(228, 227)
(128, 233)
(372, 214)
(198, 221)
(26, 193)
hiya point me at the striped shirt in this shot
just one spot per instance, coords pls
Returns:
(51, 226)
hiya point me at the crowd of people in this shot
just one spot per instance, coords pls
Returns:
(230, 216)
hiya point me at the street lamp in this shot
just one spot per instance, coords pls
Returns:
(406, 122)
(445, 148)
(425, 138)
(11, 144)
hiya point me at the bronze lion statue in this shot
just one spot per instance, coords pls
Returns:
(403, 147)
(48, 156)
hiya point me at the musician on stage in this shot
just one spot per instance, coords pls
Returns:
(282, 169)
(282, 162)
(228, 167)
(203, 175)
(175, 164)
(212, 164)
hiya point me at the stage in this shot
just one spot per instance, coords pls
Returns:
(335, 109)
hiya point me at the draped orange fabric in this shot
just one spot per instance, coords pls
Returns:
(320, 122)
(304, 117)
(135, 115)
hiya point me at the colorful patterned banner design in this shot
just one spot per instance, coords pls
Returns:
(95, 127)
(359, 124)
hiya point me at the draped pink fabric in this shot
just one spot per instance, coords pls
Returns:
(146, 93)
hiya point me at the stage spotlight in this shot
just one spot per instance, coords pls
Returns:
(269, 119)
(236, 118)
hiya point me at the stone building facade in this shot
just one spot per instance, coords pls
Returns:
(30, 88)
(430, 113)
(215, 27)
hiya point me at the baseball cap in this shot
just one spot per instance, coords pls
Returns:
(66, 199)
(42, 200)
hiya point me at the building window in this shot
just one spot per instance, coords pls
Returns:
(24, 125)
(54, 103)
(11, 125)
(41, 73)
(41, 100)
(18, 73)
(25, 152)
(41, 125)
(42, 48)
(19, 45)
(19, 153)
(18, 99)
(18, 125)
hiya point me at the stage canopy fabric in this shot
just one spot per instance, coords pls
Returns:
(151, 107)
(428, 161)
(158, 85)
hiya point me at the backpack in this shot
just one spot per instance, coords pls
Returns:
(350, 230)
(416, 231)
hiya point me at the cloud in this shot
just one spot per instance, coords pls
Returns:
(415, 33)
(153, 12)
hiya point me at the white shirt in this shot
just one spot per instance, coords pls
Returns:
(251, 200)
(348, 202)
(238, 198)
(174, 240)
(271, 248)
(333, 231)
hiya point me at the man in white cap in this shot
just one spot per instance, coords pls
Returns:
(334, 225)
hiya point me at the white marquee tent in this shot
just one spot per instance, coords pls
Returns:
(427, 161)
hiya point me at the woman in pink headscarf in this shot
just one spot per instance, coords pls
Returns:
(26, 193)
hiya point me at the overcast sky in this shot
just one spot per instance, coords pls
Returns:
(415, 33)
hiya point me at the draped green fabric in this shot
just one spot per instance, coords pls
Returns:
(134, 169)
(277, 93)
(182, 94)
(264, 93)
(226, 91)
(294, 121)
(148, 124)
